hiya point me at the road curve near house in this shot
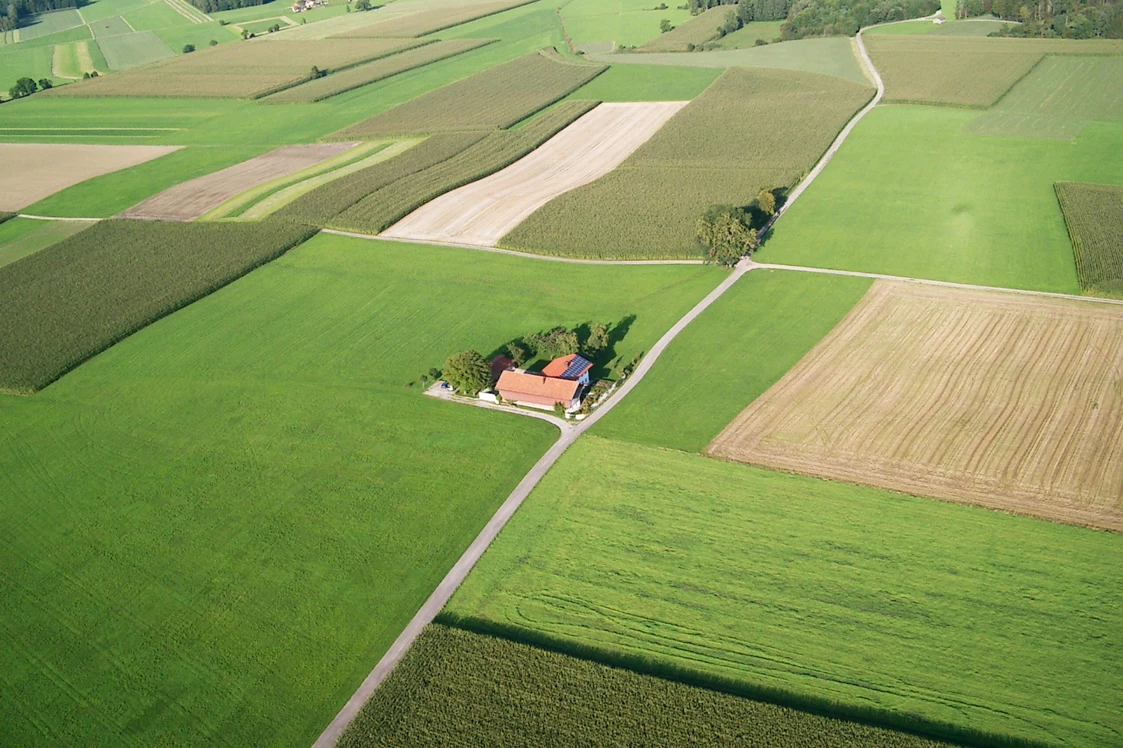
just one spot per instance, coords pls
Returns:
(464, 565)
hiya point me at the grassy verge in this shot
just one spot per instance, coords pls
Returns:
(381, 209)
(934, 618)
(729, 356)
(65, 304)
(458, 687)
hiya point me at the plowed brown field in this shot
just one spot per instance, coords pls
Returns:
(1005, 401)
(190, 200)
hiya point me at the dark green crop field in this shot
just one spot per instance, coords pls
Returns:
(922, 615)
(1094, 216)
(493, 99)
(66, 303)
(751, 129)
(211, 532)
(459, 688)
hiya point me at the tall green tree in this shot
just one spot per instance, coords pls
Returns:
(724, 236)
(468, 372)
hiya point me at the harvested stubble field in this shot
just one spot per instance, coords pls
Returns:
(186, 520)
(965, 71)
(244, 70)
(693, 33)
(455, 687)
(190, 200)
(749, 338)
(324, 203)
(361, 75)
(1056, 100)
(718, 149)
(1094, 216)
(484, 211)
(380, 209)
(66, 303)
(35, 171)
(432, 21)
(495, 98)
(1006, 401)
(907, 612)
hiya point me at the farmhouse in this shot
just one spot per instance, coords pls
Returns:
(562, 381)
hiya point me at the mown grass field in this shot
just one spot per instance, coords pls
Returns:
(963, 71)
(747, 35)
(689, 34)
(914, 612)
(320, 206)
(493, 99)
(906, 195)
(62, 305)
(1056, 100)
(1094, 216)
(124, 51)
(432, 21)
(213, 530)
(713, 151)
(20, 237)
(382, 208)
(830, 56)
(747, 340)
(110, 194)
(595, 24)
(459, 687)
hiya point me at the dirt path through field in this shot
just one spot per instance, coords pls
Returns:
(33, 171)
(483, 212)
(191, 199)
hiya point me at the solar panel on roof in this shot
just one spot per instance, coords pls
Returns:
(576, 368)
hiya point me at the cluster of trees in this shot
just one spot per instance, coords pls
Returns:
(1071, 19)
(214, 6)
(28, 86)
(14, 11)
(728, 233)
(804, 18)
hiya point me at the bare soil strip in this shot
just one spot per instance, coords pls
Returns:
(482, 213)
(1006, 401)
(192, 199)
(34, 171)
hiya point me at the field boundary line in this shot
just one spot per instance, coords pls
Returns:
(512, 252)
(56, 218)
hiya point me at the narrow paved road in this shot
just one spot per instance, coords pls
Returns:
(460, 571)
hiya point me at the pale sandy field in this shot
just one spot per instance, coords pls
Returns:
(483, 212)
(1006, 401)
(191, 199)
(34, 171)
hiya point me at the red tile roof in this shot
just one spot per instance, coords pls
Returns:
(558, 366)
(514, 383)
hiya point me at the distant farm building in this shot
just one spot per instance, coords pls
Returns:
(562, 381)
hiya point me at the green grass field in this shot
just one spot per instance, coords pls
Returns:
(831, 56)
(647, 83)
(457, 687)
(965, 27)
(729, 356)
(1094, 216)
(19, 62)
(690, 33)
(50, 23)
(621, 22)
(20, 237)
(713, 151)
(110, 194)
(1056, 100)
(134, 50)
(862, 601)
(747, 35)
(213, 530)
(906, 195)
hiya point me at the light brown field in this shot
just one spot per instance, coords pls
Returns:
(34, 171)
(191, 199)
(1006, 401)
(483, 212)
